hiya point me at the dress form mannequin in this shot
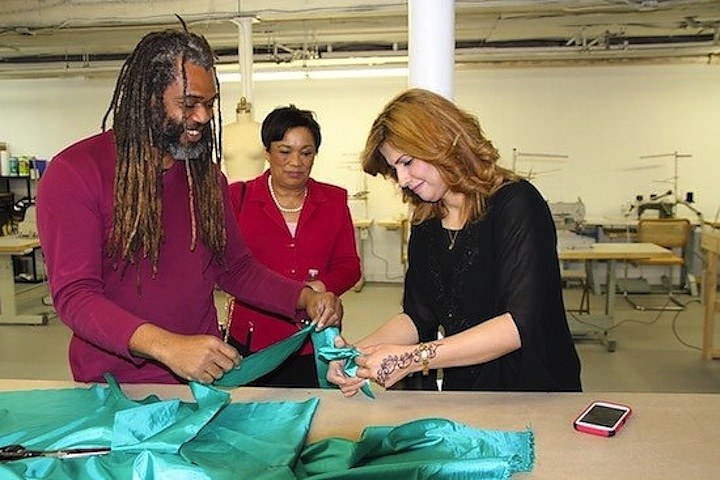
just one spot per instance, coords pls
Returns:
(243, 151)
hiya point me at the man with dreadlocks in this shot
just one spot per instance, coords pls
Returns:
(136, 229)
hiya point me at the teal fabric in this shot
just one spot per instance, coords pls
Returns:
(321, 340)
(429, 448)
(154, 439)
(264, 361)
(327, 353)
(166, 425)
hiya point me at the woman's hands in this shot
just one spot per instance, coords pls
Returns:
(324, 308)
(388, 364)
(349, 386)
(384, 364)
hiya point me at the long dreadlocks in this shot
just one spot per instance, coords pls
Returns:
(146, 74)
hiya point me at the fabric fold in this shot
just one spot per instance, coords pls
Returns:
(329, 353)
(425, 448)
(268, 359)
(152, 438)
(264, 361)
(166, 426)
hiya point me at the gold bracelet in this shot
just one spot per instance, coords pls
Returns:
(426, 351)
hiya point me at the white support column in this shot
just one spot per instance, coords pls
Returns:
(431, 46)
(245, 57)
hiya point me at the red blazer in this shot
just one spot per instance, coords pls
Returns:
(324, 240)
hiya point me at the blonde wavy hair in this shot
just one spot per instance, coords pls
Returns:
(428, 127)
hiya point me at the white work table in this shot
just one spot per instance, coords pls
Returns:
(668, 435)
(10, 246)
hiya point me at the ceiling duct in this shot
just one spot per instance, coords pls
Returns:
(91, 37)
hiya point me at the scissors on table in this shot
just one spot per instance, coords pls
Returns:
(18, 452)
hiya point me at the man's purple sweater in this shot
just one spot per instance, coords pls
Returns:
(103, 300)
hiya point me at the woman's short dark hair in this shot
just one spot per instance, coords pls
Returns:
(282, 119)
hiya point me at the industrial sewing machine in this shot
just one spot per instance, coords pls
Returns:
(567, 215)
(664, 204)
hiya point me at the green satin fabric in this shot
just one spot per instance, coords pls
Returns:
(429, 448)
(326, 353)
(264, 361)
(154, 439)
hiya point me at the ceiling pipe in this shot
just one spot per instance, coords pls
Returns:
(689, 53)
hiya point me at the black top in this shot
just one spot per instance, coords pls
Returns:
(505, 262)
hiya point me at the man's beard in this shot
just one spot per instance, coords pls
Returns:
(166, 137)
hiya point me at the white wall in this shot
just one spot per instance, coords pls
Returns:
(603, 118)
(40, 117)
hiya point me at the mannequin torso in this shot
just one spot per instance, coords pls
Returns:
(243, 152)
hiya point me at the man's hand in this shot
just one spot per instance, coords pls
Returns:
(200, 358)
(324, 308)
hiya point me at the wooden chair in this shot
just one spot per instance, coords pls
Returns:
(671, 233)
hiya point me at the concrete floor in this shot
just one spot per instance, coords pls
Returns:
(655, 352)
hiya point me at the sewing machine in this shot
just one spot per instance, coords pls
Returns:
(567, 215)
(664, 205)
(660, 203)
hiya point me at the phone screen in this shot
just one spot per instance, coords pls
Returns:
(603, 415)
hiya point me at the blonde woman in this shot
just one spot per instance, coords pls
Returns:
(483, 265)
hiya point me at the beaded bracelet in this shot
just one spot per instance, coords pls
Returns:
(426, 352)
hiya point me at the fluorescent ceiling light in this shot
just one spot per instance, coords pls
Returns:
(320, 74)
(236, 77)
(359, 73)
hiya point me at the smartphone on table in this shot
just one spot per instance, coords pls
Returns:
(602, 418)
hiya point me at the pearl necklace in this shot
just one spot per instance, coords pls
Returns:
(277, 202)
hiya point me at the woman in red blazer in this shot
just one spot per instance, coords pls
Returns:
(296, 226)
